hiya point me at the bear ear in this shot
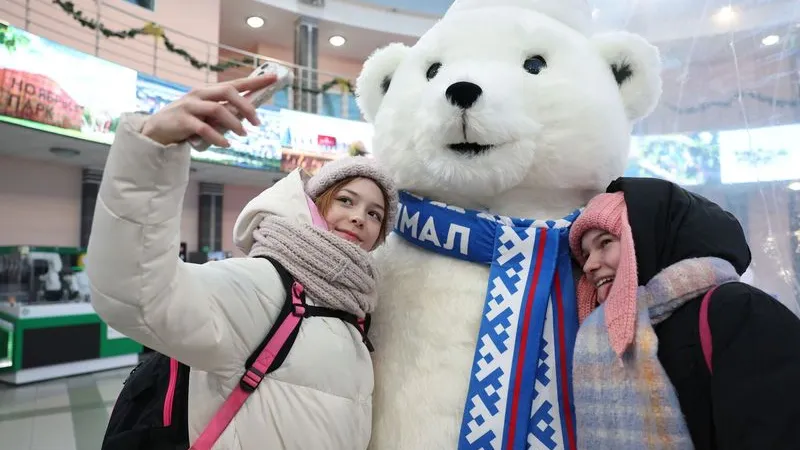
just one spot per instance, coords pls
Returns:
(636, 66)
(376, 76)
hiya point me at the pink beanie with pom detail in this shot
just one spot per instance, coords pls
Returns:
(608, 212)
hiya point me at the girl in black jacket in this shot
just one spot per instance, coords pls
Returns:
(650, 250)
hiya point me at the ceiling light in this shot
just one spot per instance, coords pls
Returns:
(595, 13)
(337, 41)
(772, 39)
(795, 186)
(726, 14)
(255, 22)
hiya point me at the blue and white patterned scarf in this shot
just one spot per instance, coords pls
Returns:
(520, 390)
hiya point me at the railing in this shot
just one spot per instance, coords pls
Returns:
(148, 51)
(424, 8)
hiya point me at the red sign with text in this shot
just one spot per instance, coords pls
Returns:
(326, 141)
(38, 98)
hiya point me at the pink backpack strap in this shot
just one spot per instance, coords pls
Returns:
(705, 329)
(169, 399)
(254, 374)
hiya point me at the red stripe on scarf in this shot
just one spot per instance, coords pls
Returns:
(541, 241)
(562, 347)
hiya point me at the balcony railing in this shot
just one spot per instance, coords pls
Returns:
(165, 52)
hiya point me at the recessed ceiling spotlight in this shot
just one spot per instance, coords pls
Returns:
(255, 22)
(795, 186)
(725, 15)
(772, 39)
(337, 41)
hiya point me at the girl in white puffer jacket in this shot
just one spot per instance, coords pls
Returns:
(212, 316)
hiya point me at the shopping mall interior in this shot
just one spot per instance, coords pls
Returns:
(69, 69)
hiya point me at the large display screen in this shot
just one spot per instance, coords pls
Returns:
(760, 154)
(51, 87)
(310, 140)
(685, 159)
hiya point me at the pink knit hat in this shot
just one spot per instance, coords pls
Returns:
(609, 212)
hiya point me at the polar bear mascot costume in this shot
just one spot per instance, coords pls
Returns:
(499, 124)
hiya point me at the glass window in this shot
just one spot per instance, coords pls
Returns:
(728, 123)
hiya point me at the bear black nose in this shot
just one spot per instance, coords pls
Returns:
(463, 94)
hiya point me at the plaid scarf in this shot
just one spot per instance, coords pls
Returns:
(631, 404)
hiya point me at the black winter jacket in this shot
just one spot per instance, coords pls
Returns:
(752, 400)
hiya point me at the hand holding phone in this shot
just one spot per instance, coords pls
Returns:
(204, 115)
(256, 98)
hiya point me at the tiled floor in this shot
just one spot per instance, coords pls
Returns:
(65, 414)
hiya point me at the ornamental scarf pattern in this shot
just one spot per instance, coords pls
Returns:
(520, 391)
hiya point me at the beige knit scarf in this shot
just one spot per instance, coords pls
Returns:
(337, 274)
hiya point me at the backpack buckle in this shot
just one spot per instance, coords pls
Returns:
(251, 379)
(298, 300)
(362, 327)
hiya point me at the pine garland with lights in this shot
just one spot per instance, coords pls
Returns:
(345, 85)
(356, 149)
(155, 30)
(150, 29)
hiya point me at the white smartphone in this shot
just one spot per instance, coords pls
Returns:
(256, 98)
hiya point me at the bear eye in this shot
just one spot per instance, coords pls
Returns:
(534, 65)
(433, 70)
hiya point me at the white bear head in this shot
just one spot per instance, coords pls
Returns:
(508, 94)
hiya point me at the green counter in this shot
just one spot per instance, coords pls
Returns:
(45, 341)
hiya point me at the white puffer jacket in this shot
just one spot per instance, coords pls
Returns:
(212, 316)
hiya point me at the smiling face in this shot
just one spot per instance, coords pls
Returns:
(600, 254)
(355, 210)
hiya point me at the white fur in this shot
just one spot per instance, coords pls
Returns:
(561, 137)
(384, 62)
(640, 93)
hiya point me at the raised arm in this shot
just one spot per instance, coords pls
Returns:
(139, 285)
